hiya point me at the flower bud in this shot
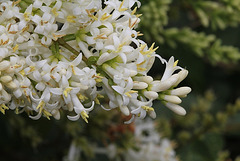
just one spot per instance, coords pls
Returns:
(6, 79)
(11, 85)
(182, 91)
(172, 99)
(146, 79)
(152, 114)
(139, 85)
(182, 75)
(176, 108)
(124, 110)
(4, 65)
(151, 94)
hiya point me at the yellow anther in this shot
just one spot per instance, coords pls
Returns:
(47, 114)
(17, 66)
(134, 23)
(25, 28)
(22, 72)
(9, 27)
(32, 68)
(138, 65)
(175, 63)
(84, 116)
(73, 71)
(3, 107)
(71, 18)
(40, 106)
(139, 34)
(53, 69)
(57, 36)
(52, 77)
(12, 32)
(141, 69)
(16, 2)
(66, 91)
(98, 78)
(142, 47)
(128, 94)
(17, 111)
(105, 17)
(82, 97)
(29, 112)
(120, 7)
(28, 98)
(101, 36)
(134, 11)
(100, 96)
(15, 48)
(138, 15)
(5, 42)
(90, 15)
(147, 108)
(26, 16)
(132, 91)
(54, 11)
(97, 101)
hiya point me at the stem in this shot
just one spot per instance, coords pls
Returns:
(62, 42)
(74, 51)
(69, 37)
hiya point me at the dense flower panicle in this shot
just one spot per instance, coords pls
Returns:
(74, 55)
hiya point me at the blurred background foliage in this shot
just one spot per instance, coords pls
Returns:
(203, 36)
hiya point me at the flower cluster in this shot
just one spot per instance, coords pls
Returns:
(73, 55)
(151, 145)
(148, 146)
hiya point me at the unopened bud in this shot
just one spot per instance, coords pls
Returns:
(182, 91)
(146, 79)
(139, 85)
(11, 85)
(6, 79)
(124, 110)
(4, 65)
(172, 99)
(152, 114)
(182, 75)
(176, 108)
(151, 94)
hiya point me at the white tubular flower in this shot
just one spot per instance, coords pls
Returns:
(25, 17)
(171, 66)
(143, 107)
(80, 110)
(65, 90)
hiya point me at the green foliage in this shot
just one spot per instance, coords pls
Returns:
(194, 35)
(217, 14)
